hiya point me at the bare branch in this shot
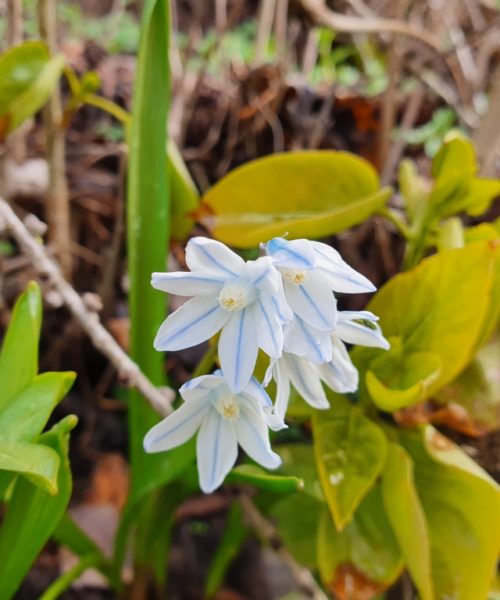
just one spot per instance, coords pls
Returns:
(160, 400)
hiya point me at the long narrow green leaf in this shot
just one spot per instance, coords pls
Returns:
(32, 514)
(19, 357)
(148, 219)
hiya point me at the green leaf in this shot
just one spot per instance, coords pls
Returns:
(350, 451)
(29, 76)
(457, 188)
(27, 414)
(253, 475)
(148, 227)
(37, 462)
(184, 195)
(462, 507)
(477, 391)
(32, 514)
(400, 380)
(305, 194)
(364, 557)
(19, 356)
(434, 313)
(407, 518)
(296, 515)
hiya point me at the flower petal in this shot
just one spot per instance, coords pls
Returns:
(340, 374)
(294, 254)
(269, 326)
(257, 392)
(313, 301)
(238, 349)
(201, 387)
(188, 284)
(276, 420)
(351, 331)
(253, 436)
(340, 276)
(305, 379)
(178, 427)
(195, 321)
(306, 341)
(205, 254)
(216, 450)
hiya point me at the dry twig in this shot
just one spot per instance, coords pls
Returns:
(160, 400)
(319, 11)
(58, 200)
(266, 531)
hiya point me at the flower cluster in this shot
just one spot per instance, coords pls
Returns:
(283, 303)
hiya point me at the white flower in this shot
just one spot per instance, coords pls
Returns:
(311, 271)
(243, 299)
(307, 374)
(224, 420)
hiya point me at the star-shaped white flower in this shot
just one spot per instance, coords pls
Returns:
(301, 365)
(243, 300)
(223, 420)
(311, 271)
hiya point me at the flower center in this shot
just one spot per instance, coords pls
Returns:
(294, 276)
(235, 296)
(229, 408)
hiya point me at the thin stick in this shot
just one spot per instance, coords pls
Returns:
(266, 531)
(160, 400)
(349, 24)
(58, 216)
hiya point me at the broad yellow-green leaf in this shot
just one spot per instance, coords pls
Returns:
(27, 414)
(19, 356)
(305, 194)
(183, 194)
(28, 76)
(296, 515)
(364, 559)
(37, 462)
(407, 518)
(457, 187)
(476, 391)
(272, 482)
(350, 451)
(32, 514)
(462, 507)
(437, 309)
(401, 379)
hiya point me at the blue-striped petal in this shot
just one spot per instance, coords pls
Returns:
(178, 427)
(269, 326)
(216, 450)
(313, 301)
(202, 386)
(205, 254)
(253, 436)
(304, 340)
(351, 331)
(257, 392)
(340, 374)
(238, 349)
(305, 379)
(294, 254)
(188, 284)
(195, 321)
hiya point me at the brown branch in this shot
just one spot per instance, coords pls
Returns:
(58, 214)
(318, 10)
(266, 531)
(160, 400)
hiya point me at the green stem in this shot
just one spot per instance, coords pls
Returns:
(62, 583)
(207, 361)
(110, 107)
(396, 220)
